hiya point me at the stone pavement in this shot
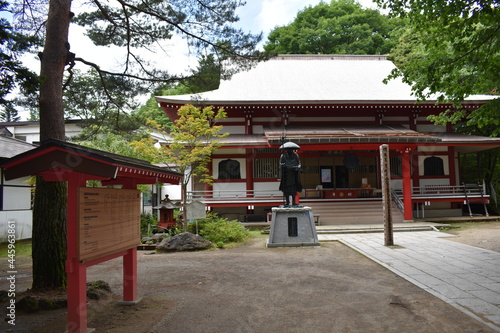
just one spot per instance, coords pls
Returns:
(465, 276)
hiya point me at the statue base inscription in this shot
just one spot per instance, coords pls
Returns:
(292, 227)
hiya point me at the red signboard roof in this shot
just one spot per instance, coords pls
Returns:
(55, 160)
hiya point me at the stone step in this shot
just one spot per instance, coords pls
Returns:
(348, 212)
(374, 229)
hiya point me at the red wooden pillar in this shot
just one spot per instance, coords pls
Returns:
(248, 121)
(130, 276)
(407, 191)
(249, 172)
(76, 271)
(249, 155)
(416, 169)
(452, 166)
(77, 296)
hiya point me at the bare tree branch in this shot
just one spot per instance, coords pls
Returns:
(127, 75)
(184, 31)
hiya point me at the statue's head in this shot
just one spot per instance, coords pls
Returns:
(289, 146)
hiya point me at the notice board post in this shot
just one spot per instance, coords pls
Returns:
(102, 223)
(76, 271)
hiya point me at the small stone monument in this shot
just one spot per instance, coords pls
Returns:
(292, 224)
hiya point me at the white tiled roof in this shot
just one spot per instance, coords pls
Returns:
(11, 147)
(311, 79)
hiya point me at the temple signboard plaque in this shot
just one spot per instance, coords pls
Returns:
(108, 221)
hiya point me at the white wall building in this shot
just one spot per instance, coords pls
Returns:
(15, 195)
(29, 131)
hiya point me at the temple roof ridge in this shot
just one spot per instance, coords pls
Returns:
(330, 57)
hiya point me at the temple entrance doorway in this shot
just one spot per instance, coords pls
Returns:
(341, 177)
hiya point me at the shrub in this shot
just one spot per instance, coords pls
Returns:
(219, 230)
(147, 219)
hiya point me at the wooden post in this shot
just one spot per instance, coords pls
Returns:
(130, 277)
(407, 191)
(76, 271)
(249, 172)
(385, 170)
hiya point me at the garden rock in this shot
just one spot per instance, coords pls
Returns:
(185, 241)
(157, 237)
(144, 240)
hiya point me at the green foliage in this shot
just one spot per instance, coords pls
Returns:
(96, 289)
(9, 113)
(194, 138)
(91, 94)
(204, 78)
(114, 143)
(338, 27)
(13, 73)
(147, 219)
(485, 121)
(135, 26)
(220, 231)
(484, 165)
(143, 24)
(108, 128)
(451, 49)
(104, 103)
(151, 110)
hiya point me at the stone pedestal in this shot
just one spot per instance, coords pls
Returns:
(293, 226)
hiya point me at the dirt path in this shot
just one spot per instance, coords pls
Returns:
(485, 235)
(255, 289)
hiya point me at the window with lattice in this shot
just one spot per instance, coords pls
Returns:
(265, 168)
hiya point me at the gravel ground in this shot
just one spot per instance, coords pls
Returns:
(484, 235)
(255, 289)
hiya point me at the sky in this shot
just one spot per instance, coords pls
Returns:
(255, 17)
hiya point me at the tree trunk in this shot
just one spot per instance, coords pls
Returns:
(54, 59)
(184, 206)
(49, 235)
(49, 213)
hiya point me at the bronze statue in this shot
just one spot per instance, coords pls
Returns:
(290, 166)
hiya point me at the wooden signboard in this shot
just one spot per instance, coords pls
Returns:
(108, 221)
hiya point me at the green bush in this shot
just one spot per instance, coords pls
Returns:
(145, 220)
(219, 231)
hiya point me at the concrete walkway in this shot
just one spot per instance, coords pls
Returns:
(465, 276)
